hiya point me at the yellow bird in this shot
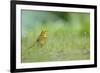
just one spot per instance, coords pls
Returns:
(42, 38)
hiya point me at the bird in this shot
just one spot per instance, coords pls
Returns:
(41, 40)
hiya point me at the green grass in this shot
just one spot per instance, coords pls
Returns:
(59, 46)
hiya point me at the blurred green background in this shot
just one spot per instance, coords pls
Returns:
(68, 36)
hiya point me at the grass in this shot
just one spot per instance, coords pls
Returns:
(59, 46)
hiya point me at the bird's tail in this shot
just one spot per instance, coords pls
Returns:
(35, 45)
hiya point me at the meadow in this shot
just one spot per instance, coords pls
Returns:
(68, 36)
